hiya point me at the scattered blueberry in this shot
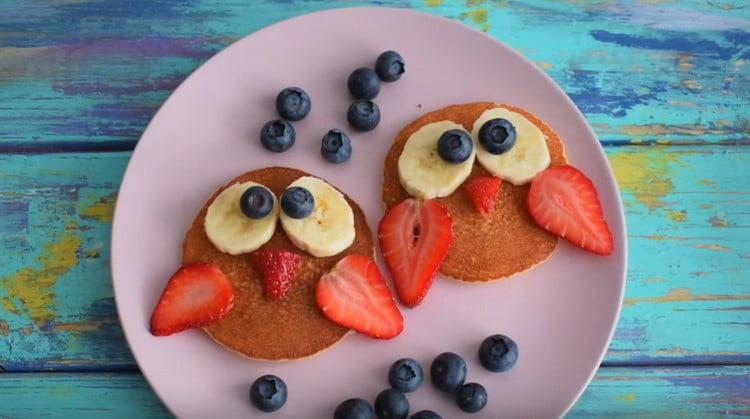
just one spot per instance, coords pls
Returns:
(297, 202)
(256, 202)
(455, 146)
(405, 375)
(471, 397)
(497, 135)
(363, 115)
(277, 136)
(391, 404)
(389, 66)
(293, 104)
(363, 83)
(268, 393)
(426, 414)
(448, 372)
(353, 409)
(498, 353)
(336, 148)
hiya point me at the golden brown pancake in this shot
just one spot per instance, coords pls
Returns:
(259, 327)
(500, 245)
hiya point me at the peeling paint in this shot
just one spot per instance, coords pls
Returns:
(30, 290)
(691, 84)
(717, 220)
(645, 174)
(677, 216)
(712, 246)
(102, 210)
(4, 329)
(627, 397)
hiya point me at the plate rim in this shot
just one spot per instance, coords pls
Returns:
(441, 20)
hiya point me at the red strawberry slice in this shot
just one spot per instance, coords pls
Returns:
(355, 295)
(414, 238)
(196, 295)
(277, 268)
(482, 190)
(563, 201)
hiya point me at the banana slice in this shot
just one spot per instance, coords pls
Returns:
(423, 173)
(230, 230)
(524, 160)
(329, 229)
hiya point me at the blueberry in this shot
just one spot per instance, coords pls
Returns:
(293, 104)
(448, 372)
(391, 404)
(297, 202)
(405, 375)
(363, 83)
(277, 136)
(268, 393)
(498, 353)
(471, 397)
(256, 202)
(497, 135)
(389, 66)
(336, 148)
(455, 146)
(353, 409)
(363, 115)
(426, 414)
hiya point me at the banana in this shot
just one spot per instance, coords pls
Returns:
(524, 160)
(230, 230)
(329, 229)
(423, 173)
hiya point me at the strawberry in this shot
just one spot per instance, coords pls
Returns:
(195, 295)
(414, 238)
(482, 190)
(277, 268)
(563, 201)
(355, 295)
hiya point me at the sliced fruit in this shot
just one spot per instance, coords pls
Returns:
(195, 295)
(528, 156)
(414, 238)
(277, 268)
(423, 173)
(230, 230)
(355, 295)
(482, 190)
(329, 229)
(563, 201)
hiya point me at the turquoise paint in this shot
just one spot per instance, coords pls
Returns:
(663, 392)
(622, 70)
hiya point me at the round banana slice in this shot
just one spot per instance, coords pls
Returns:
(329, 229)
(423, 173)
(230, 230)
(524, 160)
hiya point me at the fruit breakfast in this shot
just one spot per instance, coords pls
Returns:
(279, 264)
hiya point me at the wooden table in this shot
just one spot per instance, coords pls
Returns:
(665, 85)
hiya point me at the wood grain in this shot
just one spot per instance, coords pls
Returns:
(77, 72)
(686, 209)
(614, 392)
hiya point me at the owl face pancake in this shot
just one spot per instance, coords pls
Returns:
(484, 248)
(273, 329)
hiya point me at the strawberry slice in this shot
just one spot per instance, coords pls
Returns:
(277, 268)
(414, 238)
(563, 201)
(355, 295)
(195, 295)
(482, 190)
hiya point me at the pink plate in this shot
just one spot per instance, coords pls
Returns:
(562, 313)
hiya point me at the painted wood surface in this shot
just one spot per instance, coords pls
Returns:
(615, 392)
(78, 72)
(687, 214)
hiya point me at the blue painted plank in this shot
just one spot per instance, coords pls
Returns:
(91, 71)
(615, 392)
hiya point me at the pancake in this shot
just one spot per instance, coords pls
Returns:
(258, 327)
(500, 245)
